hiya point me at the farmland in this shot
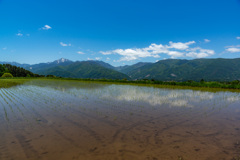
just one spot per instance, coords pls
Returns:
(58, 119)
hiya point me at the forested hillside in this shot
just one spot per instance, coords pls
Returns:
(84, 69)
(164, 70)
(183, 70)
(16, 71)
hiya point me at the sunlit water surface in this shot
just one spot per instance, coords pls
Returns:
(65, 120)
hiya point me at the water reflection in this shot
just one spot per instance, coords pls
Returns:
(145, 95)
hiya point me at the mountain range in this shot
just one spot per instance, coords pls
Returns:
(166, 70)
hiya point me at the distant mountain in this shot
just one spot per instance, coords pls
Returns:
(182, 70)
(128, 68)
(39, 68)
(66, 68)
(16, 64)
(165, 70)
(84, 69)
(104, 64)
(62, 61)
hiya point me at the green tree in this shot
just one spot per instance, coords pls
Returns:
(202, 81)
(7, 75)
(51, 76)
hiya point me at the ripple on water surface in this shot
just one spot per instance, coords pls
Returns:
(80, 120)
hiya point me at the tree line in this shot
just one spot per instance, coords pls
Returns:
(16, 71)
(190, 83)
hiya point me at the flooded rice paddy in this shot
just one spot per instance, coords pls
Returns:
(67, 120)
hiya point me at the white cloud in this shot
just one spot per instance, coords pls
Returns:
(156, 56)
(207, 40)
(46, 27)
(173, 50)
(79, 52)
(19, 34)
(65, 45)
(5, 48)
(233, 49)
(98, 58)
(233, 46)
(175, 54)
(180, 45)
(198, 52)
(106, 53)
(238, 37)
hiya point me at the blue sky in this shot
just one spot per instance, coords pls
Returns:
(118, 31)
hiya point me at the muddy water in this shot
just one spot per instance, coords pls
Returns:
(65, 120)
